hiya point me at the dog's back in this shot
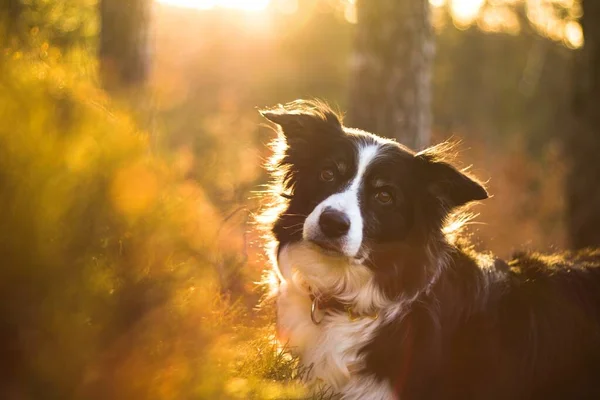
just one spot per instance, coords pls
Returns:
(538, 337)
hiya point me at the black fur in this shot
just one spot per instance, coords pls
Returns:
(527, 329)
(475, 328)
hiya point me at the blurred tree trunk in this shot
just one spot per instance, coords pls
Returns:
(10, 14)
(392, 62)
(582, 143)
(123, 48)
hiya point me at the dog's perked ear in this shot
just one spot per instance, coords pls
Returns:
(302, 119)
(451, 186)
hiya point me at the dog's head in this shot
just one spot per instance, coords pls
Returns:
(356, 196)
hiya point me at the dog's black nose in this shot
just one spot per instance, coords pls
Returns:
(334, 223)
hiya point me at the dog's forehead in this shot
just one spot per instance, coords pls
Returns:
(393, 153)
(382, 157)
(389, 161)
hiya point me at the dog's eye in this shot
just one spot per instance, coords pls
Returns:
(384, 197)
(327, 175)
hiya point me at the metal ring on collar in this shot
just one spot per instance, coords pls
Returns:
(313, 311)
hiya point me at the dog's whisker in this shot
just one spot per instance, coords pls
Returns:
(294, 226)
(297, 231)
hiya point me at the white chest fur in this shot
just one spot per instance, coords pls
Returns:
(331, 349)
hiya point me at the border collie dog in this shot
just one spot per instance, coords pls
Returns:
(381, 302)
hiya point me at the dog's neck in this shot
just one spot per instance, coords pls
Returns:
(464, 286)
(343, 284)
(313, 273)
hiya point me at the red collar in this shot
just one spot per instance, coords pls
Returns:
(400, 385)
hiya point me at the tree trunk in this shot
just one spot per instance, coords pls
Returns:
(10, 17)
(582, 142)
(123, 49)
(392, 63)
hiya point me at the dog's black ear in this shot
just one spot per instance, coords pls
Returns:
(451, 186)
(302, 118)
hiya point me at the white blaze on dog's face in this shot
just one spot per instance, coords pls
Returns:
(337, 222)
(358, 199)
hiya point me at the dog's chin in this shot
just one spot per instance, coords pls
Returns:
(332, 250)
(327, 248)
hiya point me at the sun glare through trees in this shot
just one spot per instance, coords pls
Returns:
(247, 5)
(493, 16)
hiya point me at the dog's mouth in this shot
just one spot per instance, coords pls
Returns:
(331, 249)
(328, 247)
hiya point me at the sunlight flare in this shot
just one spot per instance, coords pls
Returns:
(465, 11)
(573, 34)
(245, 5)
